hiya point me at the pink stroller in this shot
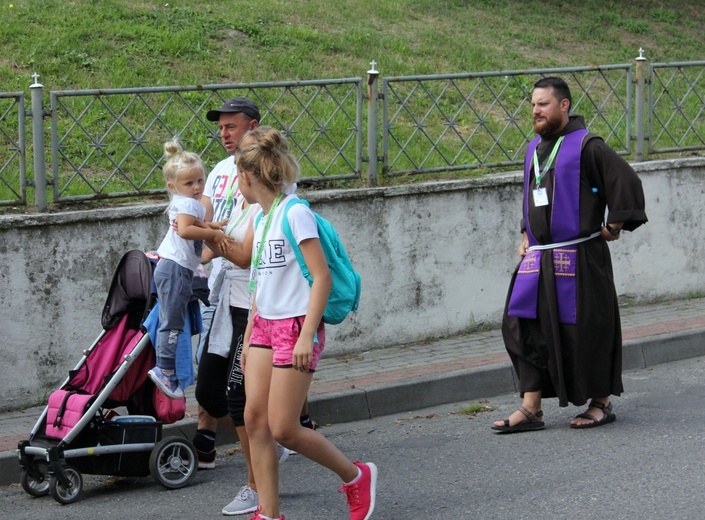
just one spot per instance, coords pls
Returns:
(80, 430)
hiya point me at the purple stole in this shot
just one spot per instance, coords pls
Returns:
(565, 226)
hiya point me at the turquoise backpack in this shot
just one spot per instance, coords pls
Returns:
(345, 292)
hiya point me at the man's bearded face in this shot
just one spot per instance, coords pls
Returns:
(547, 114)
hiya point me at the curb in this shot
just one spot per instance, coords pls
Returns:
(480, 382)
(433, 390)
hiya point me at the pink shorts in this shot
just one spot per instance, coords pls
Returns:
(281, 336)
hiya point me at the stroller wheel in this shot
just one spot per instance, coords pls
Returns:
(173, 462)
(63, 494)
(36, 485)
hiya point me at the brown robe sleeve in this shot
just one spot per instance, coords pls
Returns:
(617, 184)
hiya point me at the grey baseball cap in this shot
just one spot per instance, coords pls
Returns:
(234, 105)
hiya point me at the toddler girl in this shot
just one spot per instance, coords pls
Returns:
(180, 254)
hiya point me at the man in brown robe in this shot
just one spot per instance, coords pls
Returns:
(568, 345)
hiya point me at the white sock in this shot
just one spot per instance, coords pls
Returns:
(359, 474)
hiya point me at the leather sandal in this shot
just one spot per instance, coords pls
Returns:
(607, 417)
(532, 422)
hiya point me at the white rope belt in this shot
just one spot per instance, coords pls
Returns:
(564, 244)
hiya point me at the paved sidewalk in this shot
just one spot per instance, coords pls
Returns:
(428, 373)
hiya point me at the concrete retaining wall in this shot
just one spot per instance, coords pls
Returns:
(435, 260)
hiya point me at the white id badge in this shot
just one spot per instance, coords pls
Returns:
(540, 197)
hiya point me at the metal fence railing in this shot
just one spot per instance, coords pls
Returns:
(677, 107)
(108, 143)
(483, 120)
(13, 179)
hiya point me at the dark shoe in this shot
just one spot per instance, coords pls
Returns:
(307, 422)
(205, 447)
(206, 460)
(607, 417)
(532, 422)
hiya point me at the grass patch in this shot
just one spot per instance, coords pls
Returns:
(418, 417)
(480, 326)
(142, 43)
(131, 43)
(473, 409)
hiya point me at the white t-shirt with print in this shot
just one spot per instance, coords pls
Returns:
(282, 290)
(220, 182)
(240, 223)
(186, 253)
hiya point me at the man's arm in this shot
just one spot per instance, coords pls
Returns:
(240, 253)
(621, 187)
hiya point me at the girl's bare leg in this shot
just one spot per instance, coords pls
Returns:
(287, 394)
(263, 450)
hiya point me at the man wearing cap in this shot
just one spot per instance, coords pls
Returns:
(215, 356)
(234, 118)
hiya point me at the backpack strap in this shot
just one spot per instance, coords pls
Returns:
(258, 218)
(286, 228)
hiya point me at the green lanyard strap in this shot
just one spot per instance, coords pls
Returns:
(258, 257)
(230, 195)
(231, 227)
(537, 170)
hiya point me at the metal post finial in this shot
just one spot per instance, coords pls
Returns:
(641, 55)
(373, 68)
(36, 81)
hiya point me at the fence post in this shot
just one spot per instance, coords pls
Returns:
(640, 127)
(40, 180)
(372, 158)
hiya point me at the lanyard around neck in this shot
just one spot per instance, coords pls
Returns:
(230, 195)
(258, 257)
(231, 227)
(537, 170)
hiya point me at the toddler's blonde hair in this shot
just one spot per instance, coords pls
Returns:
(179, 160)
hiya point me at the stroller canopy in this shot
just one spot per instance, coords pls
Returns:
(130, 289)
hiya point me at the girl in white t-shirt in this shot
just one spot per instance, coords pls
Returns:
(180, 256)
(285, 335)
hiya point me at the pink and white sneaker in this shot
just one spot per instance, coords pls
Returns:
(259, 517)
(361, 493)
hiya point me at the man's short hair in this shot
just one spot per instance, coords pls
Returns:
(233, 106)
(559, 86)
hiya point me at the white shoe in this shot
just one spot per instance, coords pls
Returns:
(283, 453)
(206, 464)
(246, 501)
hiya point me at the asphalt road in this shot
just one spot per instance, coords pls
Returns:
(439, 464)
